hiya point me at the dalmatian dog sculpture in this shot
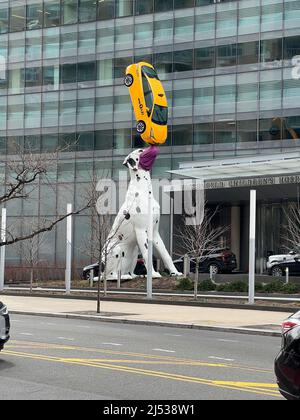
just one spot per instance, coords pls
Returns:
(129, 231)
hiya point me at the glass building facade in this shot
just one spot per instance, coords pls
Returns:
(227, 68)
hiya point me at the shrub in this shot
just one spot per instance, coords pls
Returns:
(290, 288)
(185, 284)
(207, 285)
(235, 286)
(259, 287)
(275, 286)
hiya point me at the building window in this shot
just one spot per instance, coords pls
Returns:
(86, 72)
(204, 58)
(51, 14)
(203, 133)
(4, 18)
(291, 47)
(163, 63)
(183, 60)
(17, 18)
(106, 9)
(163, 6)
(272, 15)
(182, 135)
(103, 139)
(69, 11)
(85, 141)
(124, 8)
(226, 55)
(163, 31)
(143, 6)
(68, 73)
(291, 14)
(247, 131)
(225, 132)
(205, 26)
(248, 52)
(204, 96)
(34, 16)
(271, 50)
(105, 72)
(180, 4)
(87, 10)
(270, 129)
(249, 19)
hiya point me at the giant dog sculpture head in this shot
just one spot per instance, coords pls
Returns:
(141, 159)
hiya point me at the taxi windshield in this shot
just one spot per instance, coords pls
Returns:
(160, 115)
(148, 71)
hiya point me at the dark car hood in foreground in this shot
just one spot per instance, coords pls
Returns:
(287, 365)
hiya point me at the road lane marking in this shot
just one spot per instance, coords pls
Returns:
(221, 358)
(113, 344)
(35, 344)
(252, 387)
(66, 338)
(29, 334)
(174, 335)
(227, 341)
(164, 350)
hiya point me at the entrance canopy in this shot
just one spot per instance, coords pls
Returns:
(242, 167)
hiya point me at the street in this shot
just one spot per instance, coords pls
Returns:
(51, 358)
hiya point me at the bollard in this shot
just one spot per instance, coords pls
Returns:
(92, 277)
(287, 275)
(158, 265)
(186, 265)
(119, 279)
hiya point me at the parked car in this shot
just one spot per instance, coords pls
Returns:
(140, 269)
(279, 269)
(4, 325)
(149, 102)
(275, 259)
(287, 365)
(291, 322)
(221, 261)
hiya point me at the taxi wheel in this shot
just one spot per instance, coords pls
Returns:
(140, 127)
(128, 80)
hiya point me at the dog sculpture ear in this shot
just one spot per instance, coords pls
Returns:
(130, 163)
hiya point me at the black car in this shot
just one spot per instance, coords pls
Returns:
(279, 269)
(4, 325)
(220, 261)
(287, 365)
(140, 269)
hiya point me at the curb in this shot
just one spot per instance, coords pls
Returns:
(154, 301)
(238, 330)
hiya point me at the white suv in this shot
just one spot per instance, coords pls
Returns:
(275, 259)
(4, 325)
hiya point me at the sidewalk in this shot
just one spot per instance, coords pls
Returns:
(235, 320)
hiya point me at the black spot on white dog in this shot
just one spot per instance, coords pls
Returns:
(123, 254)
(106, 203)
(138, 210)
(137, 194)
(146, 246)
(127, 216)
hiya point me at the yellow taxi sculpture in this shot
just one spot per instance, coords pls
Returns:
(149, 102)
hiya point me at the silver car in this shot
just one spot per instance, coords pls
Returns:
(4, 325)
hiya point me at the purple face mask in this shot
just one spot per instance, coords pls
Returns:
(147, 158)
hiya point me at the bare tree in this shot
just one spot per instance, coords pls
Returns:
(103, 238)
(202, 240)
(24, 172)
(291, 237)
(30, 248)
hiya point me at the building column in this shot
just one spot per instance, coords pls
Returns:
(236, 233)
